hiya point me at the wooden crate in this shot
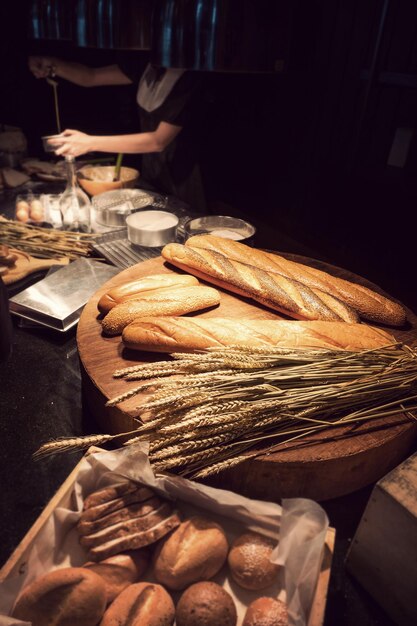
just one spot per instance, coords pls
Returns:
(383, 553)
(16, 565)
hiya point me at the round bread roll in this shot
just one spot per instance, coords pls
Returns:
(195, 551)
(266, 612)
(120, 571)
(249, 561)
(206, 604)
(141, 604)
(64, 597)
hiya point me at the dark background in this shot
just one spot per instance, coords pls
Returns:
(305, 152)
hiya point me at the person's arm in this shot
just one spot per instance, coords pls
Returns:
(76, 73)
(77, 143)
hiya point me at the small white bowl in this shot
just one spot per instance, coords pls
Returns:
(151, 228)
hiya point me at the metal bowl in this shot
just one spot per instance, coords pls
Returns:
(221, 226)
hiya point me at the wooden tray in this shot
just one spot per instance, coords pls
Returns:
(27, 264)
(16, 565)
(323, 466)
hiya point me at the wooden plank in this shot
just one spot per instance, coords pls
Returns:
(325, 466)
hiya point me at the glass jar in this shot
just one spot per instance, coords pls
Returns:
(74, 204)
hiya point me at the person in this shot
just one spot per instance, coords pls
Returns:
(170, 112)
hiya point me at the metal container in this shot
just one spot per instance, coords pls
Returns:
(152, 228)
(221, 226)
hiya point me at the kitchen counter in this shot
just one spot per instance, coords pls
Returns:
(41, 399)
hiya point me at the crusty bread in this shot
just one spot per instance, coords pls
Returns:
(144, 604)
(135, 540)
(167, 302)
(249, 561)
(206, 603)
(369, 304)
(120, 571)
(268, 288)
(266, 612)
(108, 494)
(144, 286)
(195, 551)
(137, 509)
(94, 511)
(176, 334)
(72, 595)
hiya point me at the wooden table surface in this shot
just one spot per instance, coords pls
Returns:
(323, 466)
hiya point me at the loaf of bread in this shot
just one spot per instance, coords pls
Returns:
(176, 334)
(120, 571)
(266, 612)
(167, 302)
(124, 517)
(271, 289)
(145, 286)
(142, 604)
(206, 603)
(72, 595)
(249, 561)
(369, 304)
(195, 551)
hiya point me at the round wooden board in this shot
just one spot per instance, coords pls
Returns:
(321, 467)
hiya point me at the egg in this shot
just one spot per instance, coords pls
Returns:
(36, 215)
(22, 215)
(36, 211)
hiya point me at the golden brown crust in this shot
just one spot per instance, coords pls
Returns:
(266, 612)
(142, 604)
(176, 334)
(195, 551)
(143, 287)
(72, 595)
(137, 509)
(268, 288)
(107, 503)
(370, 304)
(167, 302)
(206, 603)
(249, 561)
(120, 571)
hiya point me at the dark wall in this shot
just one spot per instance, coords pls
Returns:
(306, 151)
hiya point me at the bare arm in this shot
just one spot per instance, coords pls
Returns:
(76, 73)
(77, 143)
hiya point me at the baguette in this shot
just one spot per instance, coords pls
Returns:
(369, 304)
(268, 288)
(168, 302)
(176, 334)
(143, 287)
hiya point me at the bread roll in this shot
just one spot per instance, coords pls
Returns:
(206, 603)
(249, 561)
(142, 604)
(167, 302)
(145, 286)
(269, 288)
(120, 571)
(73, 595)
(176, 334)
(195, 551)
(370, 304)
(266, 612)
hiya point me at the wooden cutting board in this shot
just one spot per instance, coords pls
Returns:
(321, 467)
(27, 264)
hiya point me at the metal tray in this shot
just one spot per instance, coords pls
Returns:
(116, 248)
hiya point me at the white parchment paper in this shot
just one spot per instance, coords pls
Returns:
(299, 527)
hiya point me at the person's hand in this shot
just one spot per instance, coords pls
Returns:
(72, 143)
(42, 67)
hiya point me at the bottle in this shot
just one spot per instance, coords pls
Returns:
(74, 204)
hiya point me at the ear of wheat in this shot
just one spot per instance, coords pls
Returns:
(210, 411)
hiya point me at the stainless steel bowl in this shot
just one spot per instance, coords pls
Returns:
(221, 226)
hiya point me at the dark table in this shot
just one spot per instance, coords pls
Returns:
(41, 399)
